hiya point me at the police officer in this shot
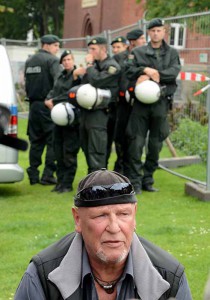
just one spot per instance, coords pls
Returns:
(65, 138)
(119, 44)
(41, 70)
(158, 62)
(102, 72)
(136, 38)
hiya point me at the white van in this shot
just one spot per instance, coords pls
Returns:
(10, 171)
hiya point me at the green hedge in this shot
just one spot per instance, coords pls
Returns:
(191, 137)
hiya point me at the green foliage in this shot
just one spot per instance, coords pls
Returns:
(43, 16)
(195, 111)
(15, 25)
(161, 8)
(191, 138)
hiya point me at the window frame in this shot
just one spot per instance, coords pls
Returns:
(176, 27)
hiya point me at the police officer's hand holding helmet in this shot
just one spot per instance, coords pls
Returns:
(87, 96)
(63, 114)
(148, 91)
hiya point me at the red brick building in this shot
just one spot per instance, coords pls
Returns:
(91, 17)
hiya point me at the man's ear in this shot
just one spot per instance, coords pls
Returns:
(76, 216)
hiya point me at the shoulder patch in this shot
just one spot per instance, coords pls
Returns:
(112, 70)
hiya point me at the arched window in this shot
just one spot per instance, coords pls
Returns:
(87, 26)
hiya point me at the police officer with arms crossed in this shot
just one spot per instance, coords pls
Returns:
(102, 72)
(104, 258)
(160, 63)
(66, 141)
(136, 39)
(41, 71)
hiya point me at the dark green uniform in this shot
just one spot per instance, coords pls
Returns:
(66, 141)
(150, 118)
(41, 70)
(123, 112)
(93, 128)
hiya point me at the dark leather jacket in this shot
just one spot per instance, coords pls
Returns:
(50, 258)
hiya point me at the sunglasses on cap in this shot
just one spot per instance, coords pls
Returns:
(98, 192)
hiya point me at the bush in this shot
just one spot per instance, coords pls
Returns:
(191, 138)
(195, 111)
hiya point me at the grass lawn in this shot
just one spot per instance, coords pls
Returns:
(31, 217)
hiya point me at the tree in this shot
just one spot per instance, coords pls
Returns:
(164, 8)
(41, 16)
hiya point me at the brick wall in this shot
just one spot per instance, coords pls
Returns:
(108, 14)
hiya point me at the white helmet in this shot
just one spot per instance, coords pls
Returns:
(89, 97)
(147, 91)
(62, 114)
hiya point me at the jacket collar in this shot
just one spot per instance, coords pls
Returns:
(149, 283)
(163, 48)
(67, 276)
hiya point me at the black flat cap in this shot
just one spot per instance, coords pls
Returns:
(49, 39)
(98, 40)
(134, 34)
(65, 53)
(104, 187)
(119, 39)
(155, 23)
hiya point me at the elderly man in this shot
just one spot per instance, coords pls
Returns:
(104, 258)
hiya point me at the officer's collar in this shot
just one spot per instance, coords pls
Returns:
(150, 50)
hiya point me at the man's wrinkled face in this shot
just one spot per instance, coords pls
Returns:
(107, 231)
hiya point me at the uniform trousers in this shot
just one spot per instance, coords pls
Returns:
(93, 137)
(40, 128)
(112, 111)
(66, 147)
(120, 138)
(151, 120)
